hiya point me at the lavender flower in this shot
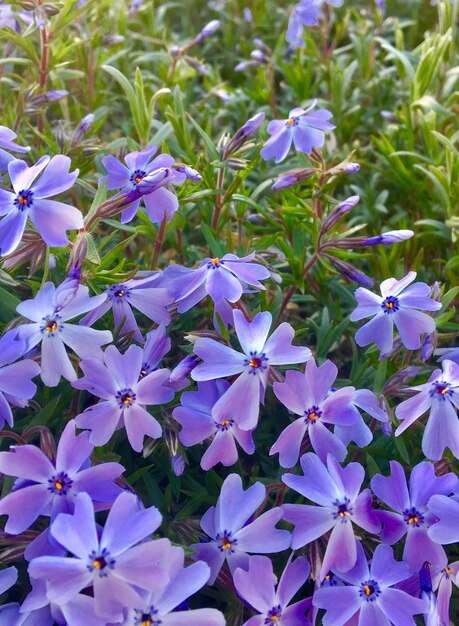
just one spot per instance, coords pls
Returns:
(231, 531)
(399, 305)
(451, 354)
(48, 487)
(445, 517)
(308, 395)
(336, 490)
(195, 417)
(208, 30)
(257, 587)
(50, 311)
(359, 432)
(222, 279)
(305, 129)
(443, 582)
(259, 353)
(441, 395)
(305, 13)
(411, 514)
(159, 201)
(52, 219)
(114, 565)
(8, 577)
(159, 605)
(38, 609)
(124, 390)
(143, 295)
(7, 138)
(16, 386)
(370, 593)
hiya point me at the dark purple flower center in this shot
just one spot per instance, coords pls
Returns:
(137, 177)
(50, 325)
(125, 398)
(312, 415)
(24, 199)
(369, 590)
(413, 517)
(100, 562)
(256, 362)
(147, 618)
(441, 390)
(215, 263)
(274, 615)
(146, 369)
(292, 121)
(329, 580)
(390, 304)
(343, 510)
(224, 425)
(117, 293)
(226, 542)
(60, 484)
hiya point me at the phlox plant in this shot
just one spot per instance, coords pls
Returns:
(229, 367)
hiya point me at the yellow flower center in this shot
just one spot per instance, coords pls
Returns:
(254, 362)
(368, 590)
(59, 484)
(274, 618)
(448, 570)
(51, 326)
(291, 121)
(215, 261)
(138, 180)
(99, 563)
(389, 305)
(225, 423)
(313, 416)
(413, 519)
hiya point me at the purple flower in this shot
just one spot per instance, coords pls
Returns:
(7, 137)
(336, 490)
(350, 168)
(443, 583)
(257, 587)
(113, 565)
(399, 305)
(411, 515)
(370, 593)
(305, 13)
(16, 386)
(159, 201)
(221, 279)
(338, 212)
(452, 354)
(445, 515)
(149, 299)
(50, 311)
(195, 417)
(305, 129)
(359, 432)
(52, 219)
(38, 610)
(159, 605)
(52, 486)
(124, 391)
(242, 399)
(308, 395)
(233, 533)
(8, 577)
(441, 395)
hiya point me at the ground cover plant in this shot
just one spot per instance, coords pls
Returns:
(229, 370)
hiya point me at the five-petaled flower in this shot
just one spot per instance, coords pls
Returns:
(305, 129)
(440, 394)
(242, 399)
(336, 490)
(398, 304)
(231, 531)
(50, 312)
(124, 389)
(28, 200)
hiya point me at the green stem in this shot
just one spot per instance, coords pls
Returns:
(159, 243)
